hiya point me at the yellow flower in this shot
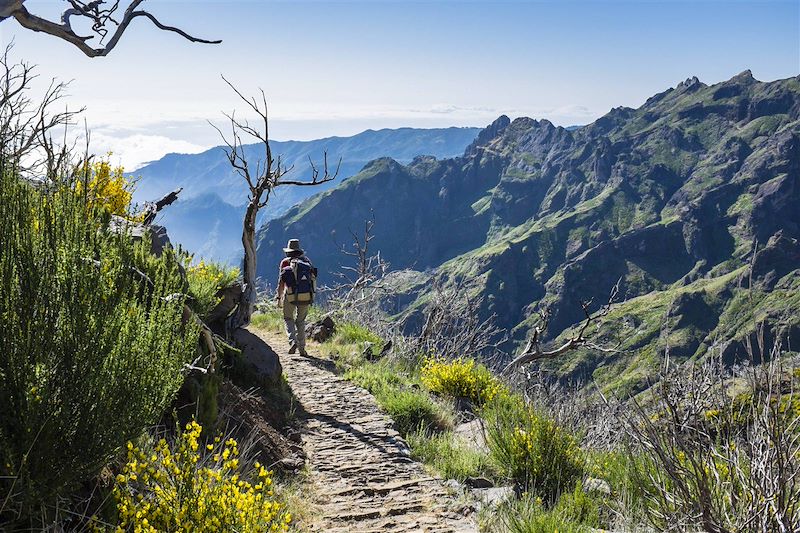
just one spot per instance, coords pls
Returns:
(223, 499)
(461, 378)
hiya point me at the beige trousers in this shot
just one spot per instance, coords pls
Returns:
(294, 316)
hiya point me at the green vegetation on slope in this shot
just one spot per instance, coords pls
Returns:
(93, 336)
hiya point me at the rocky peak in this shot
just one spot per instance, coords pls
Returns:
(536, 136)
(690, 85)
(382, 164)
(488, 134)
(744, 77)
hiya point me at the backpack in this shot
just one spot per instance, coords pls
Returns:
(300, 278)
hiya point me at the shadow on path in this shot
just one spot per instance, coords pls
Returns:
(366, 438)
(322, 364)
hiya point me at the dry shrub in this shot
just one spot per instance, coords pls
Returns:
(720, 449)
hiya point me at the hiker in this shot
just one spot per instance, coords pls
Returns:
(296, 286)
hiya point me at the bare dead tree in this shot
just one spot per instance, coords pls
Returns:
(267, 175)
(534, 350)
(28, 122)
(106, 26)
(573, 406)
(368, 268)
(360, 285)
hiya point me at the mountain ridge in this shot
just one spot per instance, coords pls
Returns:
(662, 196)
(209, 174)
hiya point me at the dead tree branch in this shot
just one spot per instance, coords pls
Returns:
(534, 351)
(98, 13)
(359, 283)
(453, 327)
(27, 123)
(151, 209)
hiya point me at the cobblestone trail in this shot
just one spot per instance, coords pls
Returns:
(363, 477)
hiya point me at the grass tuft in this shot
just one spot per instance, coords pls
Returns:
(450, 456)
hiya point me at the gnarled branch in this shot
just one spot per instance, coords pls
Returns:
(101, 20)
(534, 351)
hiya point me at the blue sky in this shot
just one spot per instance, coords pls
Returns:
(333, 68)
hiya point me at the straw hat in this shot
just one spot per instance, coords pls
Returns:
(293, 246)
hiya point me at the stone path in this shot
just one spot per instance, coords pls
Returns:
(363, 479)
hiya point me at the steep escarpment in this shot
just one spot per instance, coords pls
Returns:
(675, 199)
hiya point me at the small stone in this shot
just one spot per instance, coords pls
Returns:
(321, 330)
(597, 486)
(494, 496)
(478, 482)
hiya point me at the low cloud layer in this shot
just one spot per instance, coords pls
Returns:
(133, 151)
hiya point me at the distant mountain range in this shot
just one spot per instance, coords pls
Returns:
(691, 200)
(207, 217)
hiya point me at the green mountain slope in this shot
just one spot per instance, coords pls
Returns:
(671, 198)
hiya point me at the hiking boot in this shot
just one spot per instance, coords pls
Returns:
(293, 348)
(303, 351)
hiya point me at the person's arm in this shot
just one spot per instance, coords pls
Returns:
(280, 291)
(281, 285)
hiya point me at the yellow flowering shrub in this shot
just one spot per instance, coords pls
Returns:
(545, 457)
(461, 378)
(205, 280)
(533, 449)
(107, 187)
(194, 488)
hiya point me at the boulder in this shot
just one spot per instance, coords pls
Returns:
(370, 355)
(321, 330)
(159, 240)
(464, 406)
(367, 353)
(478, 482)
(258, 357)
(473, 434)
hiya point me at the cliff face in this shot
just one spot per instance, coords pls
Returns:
(673, 199)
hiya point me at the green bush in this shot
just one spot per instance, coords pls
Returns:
(411, 410)
(532, 449)
(410, 407)
(376, 377)
(350, 333)
(205, 281)
(619, 469)
(91, 351)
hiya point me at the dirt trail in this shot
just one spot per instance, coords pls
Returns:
(363, 477)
